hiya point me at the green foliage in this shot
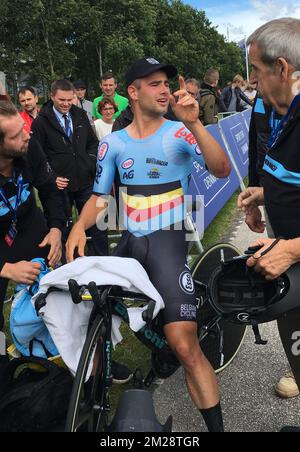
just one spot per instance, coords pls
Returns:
(50, 39)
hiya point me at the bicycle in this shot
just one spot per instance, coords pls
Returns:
(220, 340)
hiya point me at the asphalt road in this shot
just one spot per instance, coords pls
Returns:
(247, 386)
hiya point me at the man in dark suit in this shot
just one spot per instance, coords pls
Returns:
(70, 145)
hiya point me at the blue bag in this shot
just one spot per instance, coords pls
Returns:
(28, 331)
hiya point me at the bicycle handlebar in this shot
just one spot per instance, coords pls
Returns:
(147, 315)
(78, 294)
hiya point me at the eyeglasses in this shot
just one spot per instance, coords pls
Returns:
(107, 108)
(192, 94)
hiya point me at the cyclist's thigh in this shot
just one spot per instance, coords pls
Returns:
(168, 271)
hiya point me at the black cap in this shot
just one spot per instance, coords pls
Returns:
(79, 84)
(146, 66)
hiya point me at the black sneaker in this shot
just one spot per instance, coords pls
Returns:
(121, 374)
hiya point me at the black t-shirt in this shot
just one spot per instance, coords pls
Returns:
(37, 173)
(281, 180)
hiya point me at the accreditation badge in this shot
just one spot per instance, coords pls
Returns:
(11, 235)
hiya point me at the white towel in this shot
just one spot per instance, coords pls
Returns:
(67, 322)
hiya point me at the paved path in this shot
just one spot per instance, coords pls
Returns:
(247, 385)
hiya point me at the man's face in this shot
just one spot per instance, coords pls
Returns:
(16, 139)
(108, 87)
(63, 100)
(153, 93)
(215, 83)
(268, 81)
(80, 93)
(28, 101)
(192, 89)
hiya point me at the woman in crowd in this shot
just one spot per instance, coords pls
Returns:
(107, 108)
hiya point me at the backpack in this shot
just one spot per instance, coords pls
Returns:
(28, 330)
(34, 395)
(204, 92)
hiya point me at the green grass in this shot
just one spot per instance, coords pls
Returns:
(221, 223)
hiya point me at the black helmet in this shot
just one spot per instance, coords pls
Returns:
(242, 295)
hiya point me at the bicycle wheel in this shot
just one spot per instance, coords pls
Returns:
(87, 404)
(233, 334)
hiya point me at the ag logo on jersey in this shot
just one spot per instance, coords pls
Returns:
(102, 151)
(127, 164)
(186, 282)
(129, 175)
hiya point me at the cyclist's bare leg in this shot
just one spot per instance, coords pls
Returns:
(200, 377)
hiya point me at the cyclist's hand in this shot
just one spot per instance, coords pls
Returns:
(77, 239)
(22, 272)
(186, 108)
(253, 219)
(251, 197)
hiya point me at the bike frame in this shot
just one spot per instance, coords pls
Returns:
(151, 335)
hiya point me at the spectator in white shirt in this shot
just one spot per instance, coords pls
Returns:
(107, 108)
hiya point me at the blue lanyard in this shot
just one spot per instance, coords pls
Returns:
(12, 209)
(278, 129)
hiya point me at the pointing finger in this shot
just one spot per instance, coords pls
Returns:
(181, 82)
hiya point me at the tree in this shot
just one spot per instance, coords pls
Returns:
(50, 39)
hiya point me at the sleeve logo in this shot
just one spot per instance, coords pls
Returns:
(103, 148)
(186, 282)
(198, 150)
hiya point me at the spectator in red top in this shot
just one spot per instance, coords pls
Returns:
(28, 100)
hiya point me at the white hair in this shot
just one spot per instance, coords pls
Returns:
(278, 38)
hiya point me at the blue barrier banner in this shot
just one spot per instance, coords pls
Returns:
(215, 192)
(236, 135)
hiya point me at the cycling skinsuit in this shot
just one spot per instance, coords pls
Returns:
(154, 174)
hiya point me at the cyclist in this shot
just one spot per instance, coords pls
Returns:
(154, 158)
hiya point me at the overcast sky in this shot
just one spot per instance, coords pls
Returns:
(239, 18)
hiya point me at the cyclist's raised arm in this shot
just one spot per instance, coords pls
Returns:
(215, 158)
(187, 110)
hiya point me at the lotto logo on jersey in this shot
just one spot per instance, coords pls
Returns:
(188, 136)
(127, 164)
(102, 151)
